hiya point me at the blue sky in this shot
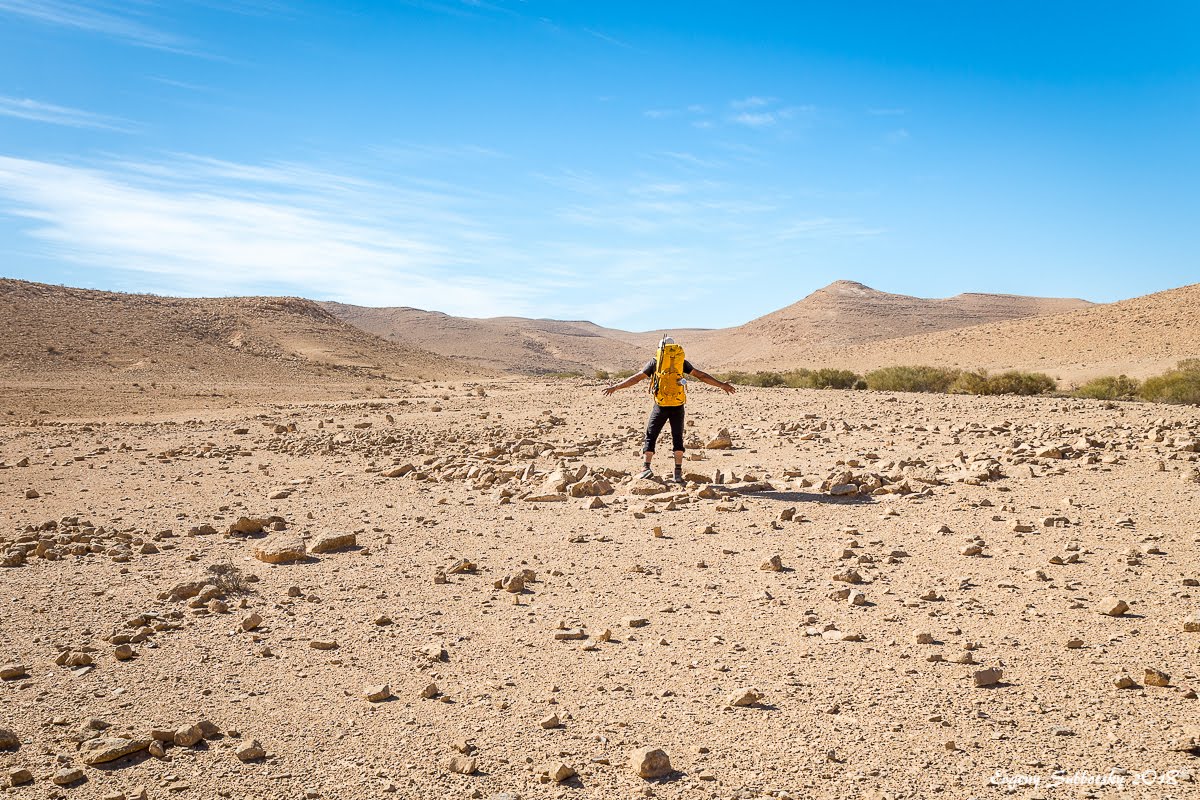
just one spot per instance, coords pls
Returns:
(642, 165)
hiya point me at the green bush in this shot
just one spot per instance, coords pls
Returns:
(970, 382)
(795, 378)
(1109, 387)
(836, 379)
(911, 379)
(1180, 385)
(1010, 382)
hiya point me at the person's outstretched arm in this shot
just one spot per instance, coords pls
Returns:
(625, 384)
(704, 377)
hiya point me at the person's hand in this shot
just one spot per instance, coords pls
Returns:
(608, 390)
(728, 388)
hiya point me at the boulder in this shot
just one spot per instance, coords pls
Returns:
(650, 763)
(329, 542)
(280, 550)
(110, 748)
(722, 440)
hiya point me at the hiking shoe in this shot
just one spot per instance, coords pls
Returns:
(647, 473)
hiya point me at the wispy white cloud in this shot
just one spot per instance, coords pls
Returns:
(37, 111)
(827, 228)
(604, 37)
(887, 112)
(209, 227)
(685, 159)
(771, 116)
(122, 21)
(756, 119)
(754, 101)
(691, 110)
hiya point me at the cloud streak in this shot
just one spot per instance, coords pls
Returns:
(94, 17)
(212, 227)
(37, 111)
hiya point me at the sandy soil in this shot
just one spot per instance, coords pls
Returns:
(956, 513)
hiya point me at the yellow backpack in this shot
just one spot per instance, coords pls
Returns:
(667, 385)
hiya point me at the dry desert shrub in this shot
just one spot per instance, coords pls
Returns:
(1109, 387)
(229, 578)
(912, 379)
(1180, 385)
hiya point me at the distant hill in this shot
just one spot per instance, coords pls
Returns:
(59, 332)
(1137, 337)
(842, 314)
(66, 334)
(515, 344)
(846, 313)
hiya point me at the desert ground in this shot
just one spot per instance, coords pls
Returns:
(458, 588)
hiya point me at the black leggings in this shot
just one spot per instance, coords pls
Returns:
(658, 418)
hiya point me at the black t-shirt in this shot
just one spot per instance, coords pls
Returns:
(648, 370)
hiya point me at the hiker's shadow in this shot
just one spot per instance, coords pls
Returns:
(814, 497)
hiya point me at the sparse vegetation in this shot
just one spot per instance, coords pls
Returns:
(1010, 382)
(618, 375)
(229, 578)
(1180, 385)
(1109, 387)
(911, 379)
(902, 379)
(797, 379)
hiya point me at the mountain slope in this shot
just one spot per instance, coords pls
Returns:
(1140, 336)
(846, 313)
(54, 331)
(515, 344)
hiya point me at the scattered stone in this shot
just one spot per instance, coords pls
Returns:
(550, 722)
(323, 644)
(19, 776)
(1074, 643)
(251, 621)
(723, 440)
(8, 740)
(462, 765)
(513, 584)
(280, 551)
(1156, 677)
(650, 763)
(250, 751)
(1112, 607)
(248, 526)
(187, 735)
(744, 698)
(987, 677)
(105, 749)
(332, 542)
(377, 693)
(570, 634)
(11, 672)
(560, 772)
(123, 652)
(430, 691)
(773, 564)
(1192, 624)
(67, 776)
(1123, 681)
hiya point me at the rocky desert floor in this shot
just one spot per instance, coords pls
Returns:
(460, 589)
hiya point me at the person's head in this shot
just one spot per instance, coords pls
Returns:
(666, 340)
